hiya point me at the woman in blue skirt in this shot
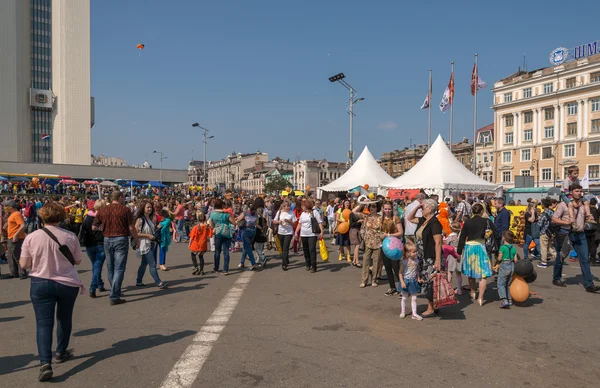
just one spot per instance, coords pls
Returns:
(471, 245)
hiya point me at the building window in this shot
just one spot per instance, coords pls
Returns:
(548, 88)
(526, 92)
(571, 129)
(507, 97)
(595, 105)
(508, 121)
(491, 157)
(569, 151)
(528, 135)
(546, 152)
(491, 176)
(595, 77)
(507, 157)
(526, 155)
(594, 148)
(596, 126)
(485, 157)
(528, 117)
(506, 176)
(571, 82)
(508, 138)
(546, 174)
(525, 172)
(594, 171)
(549, 114)
(549, 132)
(572, 109)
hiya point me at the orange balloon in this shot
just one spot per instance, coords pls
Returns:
(307, 188)
(356, 193)
(519, 289)
(346, 214)
(287, 189)
(366, 187)
(344, 227)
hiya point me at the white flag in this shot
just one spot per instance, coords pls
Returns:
(448, 96)
(426, 102)
(585, 181)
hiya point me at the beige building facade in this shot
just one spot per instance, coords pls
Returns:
(316, 173)
(227, 174)
(547, 120)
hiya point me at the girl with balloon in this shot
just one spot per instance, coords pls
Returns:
(390, 227)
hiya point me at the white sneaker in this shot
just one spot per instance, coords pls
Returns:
(542, 265)
(402, 315)
(417, 317)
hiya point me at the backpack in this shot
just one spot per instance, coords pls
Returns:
(29, 210)
(553, 229)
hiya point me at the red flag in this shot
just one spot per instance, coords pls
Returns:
(476, 82)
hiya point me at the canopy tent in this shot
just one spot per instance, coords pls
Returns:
(125, 182)
(402, 194)
(19, 179)
(50, 181)
(440, 170)
(68, 181)
(90, 182)
(107, 184)
(156, 184)
(365, 171)
(297, 193)
(3, 178)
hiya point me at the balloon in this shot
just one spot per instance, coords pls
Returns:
(288, 189)
(371, 196)
(366, 187)
(524, 268)
(343, 228)
(392, 247)
(307, 188)
(356, 193)
(519, 290)
(140, 46)
(346, 214)
(531, 278)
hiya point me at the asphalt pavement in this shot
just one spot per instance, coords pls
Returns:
(302, 329)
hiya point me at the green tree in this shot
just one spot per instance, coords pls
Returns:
(277, 184)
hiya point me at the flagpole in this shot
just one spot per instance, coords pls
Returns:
(476, 78)
(451, 109)
(429, 114)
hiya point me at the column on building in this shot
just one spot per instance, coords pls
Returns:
(557, 119)
(562, 119)
(585, 107)
(580, 119)
(517, 135)
(537, 125)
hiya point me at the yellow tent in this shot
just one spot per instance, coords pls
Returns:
(297, 193)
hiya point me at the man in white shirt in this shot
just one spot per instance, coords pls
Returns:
(410, 228)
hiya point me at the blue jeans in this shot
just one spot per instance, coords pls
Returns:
(116, 249)
(97, 256)
(180, 229)
(505, 278)
(162, 258)
(528, 240)
(247, 238)
(579, 243)
(222, 244)
(47, 297)
(148, 260)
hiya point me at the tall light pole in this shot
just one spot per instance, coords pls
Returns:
(353, 100)
(162, 157)
(206, 137)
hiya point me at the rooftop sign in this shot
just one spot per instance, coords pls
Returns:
(560, 55)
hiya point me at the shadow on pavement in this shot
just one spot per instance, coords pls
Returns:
(10, 319)
(86, 332)
(531, 301)
(130, 345)
(578, 280)
(9, 305)
(158, 292)
(9, 364)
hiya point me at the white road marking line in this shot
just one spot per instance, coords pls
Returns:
(186, 370)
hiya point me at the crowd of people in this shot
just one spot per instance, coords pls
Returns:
(43, 236)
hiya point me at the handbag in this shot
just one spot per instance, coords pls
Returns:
(491, 240)
(81, 237)
(323, 250)
(443, 293)
(314, 224)
(62, 248)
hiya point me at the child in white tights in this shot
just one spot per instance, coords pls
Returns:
(410, 281)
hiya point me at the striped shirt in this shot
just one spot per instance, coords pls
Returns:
(115, 220)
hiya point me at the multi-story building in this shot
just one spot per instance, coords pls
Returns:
(195, 172)
(397, 162)
(46, 112)
(547, 120)
(227, 174)
(485, 153)
(254, 179)
(315, 173)
(103, 160)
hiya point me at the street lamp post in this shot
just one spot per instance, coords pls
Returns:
(162, 157)
(206, 137)
(535, 165)
(353, 100)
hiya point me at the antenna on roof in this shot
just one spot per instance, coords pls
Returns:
(525, 62)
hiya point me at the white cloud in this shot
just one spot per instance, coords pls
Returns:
(387, 125)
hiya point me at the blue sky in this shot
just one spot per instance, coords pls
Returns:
(255, 72)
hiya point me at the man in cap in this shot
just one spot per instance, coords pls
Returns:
(16, 235)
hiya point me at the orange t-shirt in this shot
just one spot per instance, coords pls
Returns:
(199, 238)
(15, 220)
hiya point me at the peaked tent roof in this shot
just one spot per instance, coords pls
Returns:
(365, 171)
(439, 169)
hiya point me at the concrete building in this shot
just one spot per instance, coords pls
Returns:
(547, 120)
(227, 174)
(103, 160)
(485, 153)
(255, 178)
(397, 162)
(195, 172)
(45, 103)
(316, 173)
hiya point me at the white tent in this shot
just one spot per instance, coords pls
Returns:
(365, 171)
(440, 170)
